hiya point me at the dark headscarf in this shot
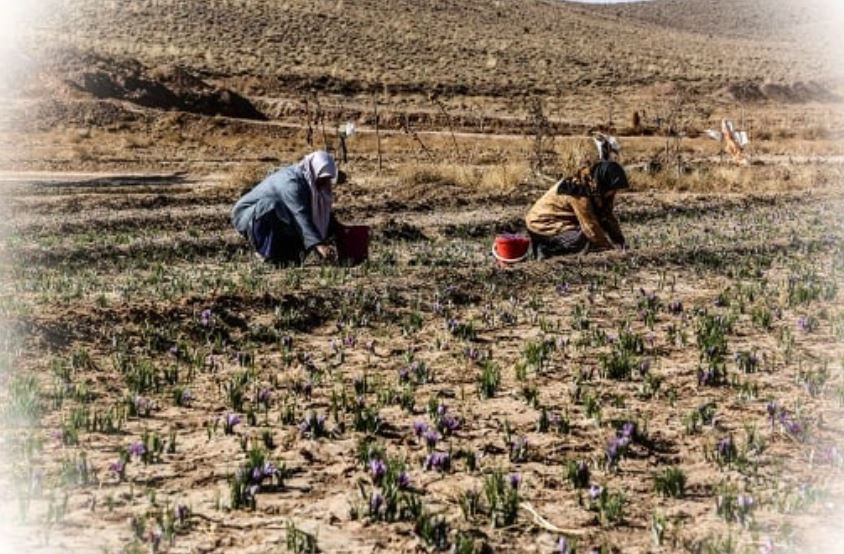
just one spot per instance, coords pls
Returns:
(605, 176)
(609, 176)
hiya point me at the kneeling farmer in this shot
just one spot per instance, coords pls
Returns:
(576, 214)
(288, 214)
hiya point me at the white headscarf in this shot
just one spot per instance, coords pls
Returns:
(317, 165)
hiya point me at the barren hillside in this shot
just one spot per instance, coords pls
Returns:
(457, 47)
(780, 21)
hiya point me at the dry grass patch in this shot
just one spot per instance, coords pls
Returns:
(728, 178)
(500, 177)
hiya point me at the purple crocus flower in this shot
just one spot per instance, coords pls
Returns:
(375, 503)
(450, 423)
(628, 430)
(268, 470)
(403, 480)
(142, 405)
(206, 317)
(562, 546)
(118, 467)
(137, 449)
(230, 421)
(744, 502)
(803, 323)
(515, 480)
(793, 427)
(614, 451)
(439, 461)
(726, 449)
(404, 375)
(563, 289)
(419, 428)
(187, 396)
(595, 491)
(264, 396)
(675, 307)
(431, 438)
(377, 469)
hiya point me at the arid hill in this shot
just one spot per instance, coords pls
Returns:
(454, 47)
(780, 21)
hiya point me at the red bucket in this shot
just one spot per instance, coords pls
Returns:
(511, 248)
(353, 243)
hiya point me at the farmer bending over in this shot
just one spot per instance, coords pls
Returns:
(288, 214)
(576, 214)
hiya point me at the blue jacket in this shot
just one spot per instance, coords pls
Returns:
(287, 193)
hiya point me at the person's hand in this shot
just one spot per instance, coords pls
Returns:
(326, 252)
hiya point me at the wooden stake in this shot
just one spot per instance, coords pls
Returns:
(377, 132)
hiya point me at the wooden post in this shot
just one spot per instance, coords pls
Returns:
(377, 132)
(320, 118)
(309, 136)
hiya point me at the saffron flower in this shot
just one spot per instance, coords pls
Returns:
(562, 546)
(439, 461)
(377, 469)
(118, 467)
(419, 428)
(449, 423)
(137, 449)
(431, 438)
(229, 423)
(376, 501)
(206, 318)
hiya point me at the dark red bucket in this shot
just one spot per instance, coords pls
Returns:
(353, 243)
(511, 248)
